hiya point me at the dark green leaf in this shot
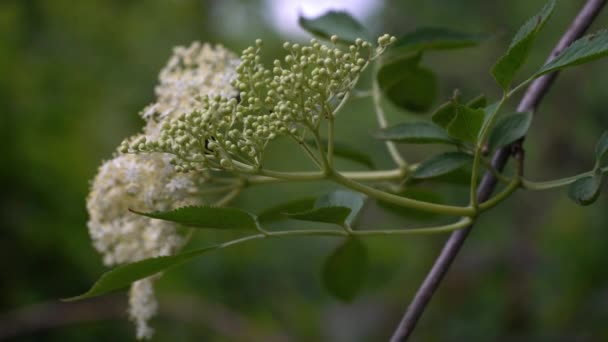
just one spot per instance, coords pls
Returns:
(435, 38)
(207, 217)
(337, 215)
(345, 269)
(337, 207)
(585, 190)
(420, 132)
(123, 276)
(601, 148)
(508, 129)
(346, 151)
(441, 164)
(336, 23)
(445, 113)
(478, 102)
(408, 85)
(278, 212)
(504, 70)
(466, 124)
(416, 194)
(586, 49)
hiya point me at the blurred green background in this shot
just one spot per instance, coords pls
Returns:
(74, 75)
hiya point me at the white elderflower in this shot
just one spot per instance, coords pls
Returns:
(190, 74)
(145, 183)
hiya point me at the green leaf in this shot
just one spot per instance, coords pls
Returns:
(122, 276)
(504, 70)
(508, 129)
(408, 85)
(478, 102)
(278, 212)
(586, 190)
(441, 164)
(445, 113)
(336, 23)
(345, 270)
(336, 215)
(419, 194)
(348, 152)
(420, 132)
(207, 217)
(337, 207)
(601, 148)
(466, 124)
(586, 49)
(435, 38)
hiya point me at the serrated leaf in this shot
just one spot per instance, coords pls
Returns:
(207, 217)
(345, 270)
(122, 276)
(586, 49)
(466, 124)
(508, 129)
(408, 85)
(348, 152)
(278, 212)
(586, 190)
(504, 70)
(416, 194)
(420, 132)
(338, 23)
(441, 164)
(601, 148)
(338, 207)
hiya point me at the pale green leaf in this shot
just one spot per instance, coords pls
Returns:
(345, 270)
(507, 66)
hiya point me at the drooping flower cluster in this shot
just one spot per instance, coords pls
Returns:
(293, 96)
(149, 182)
(190, 74)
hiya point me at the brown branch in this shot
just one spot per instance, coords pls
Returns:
(529, 102)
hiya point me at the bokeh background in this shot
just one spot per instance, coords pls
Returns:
(74, 75)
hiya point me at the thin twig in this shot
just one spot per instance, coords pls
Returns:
(529, 102)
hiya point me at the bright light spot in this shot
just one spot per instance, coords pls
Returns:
(283, 14)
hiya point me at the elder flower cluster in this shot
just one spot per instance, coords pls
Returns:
(223, 132)
(150, 182)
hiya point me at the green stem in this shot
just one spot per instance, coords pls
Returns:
(530, 185)
(330, 141)
(501, 196)
(382, 123)
(229, 197)
(483, 135)
(399, 200)
(270, 176)
(520, 86)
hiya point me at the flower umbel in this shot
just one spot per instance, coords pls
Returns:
(290, 99)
